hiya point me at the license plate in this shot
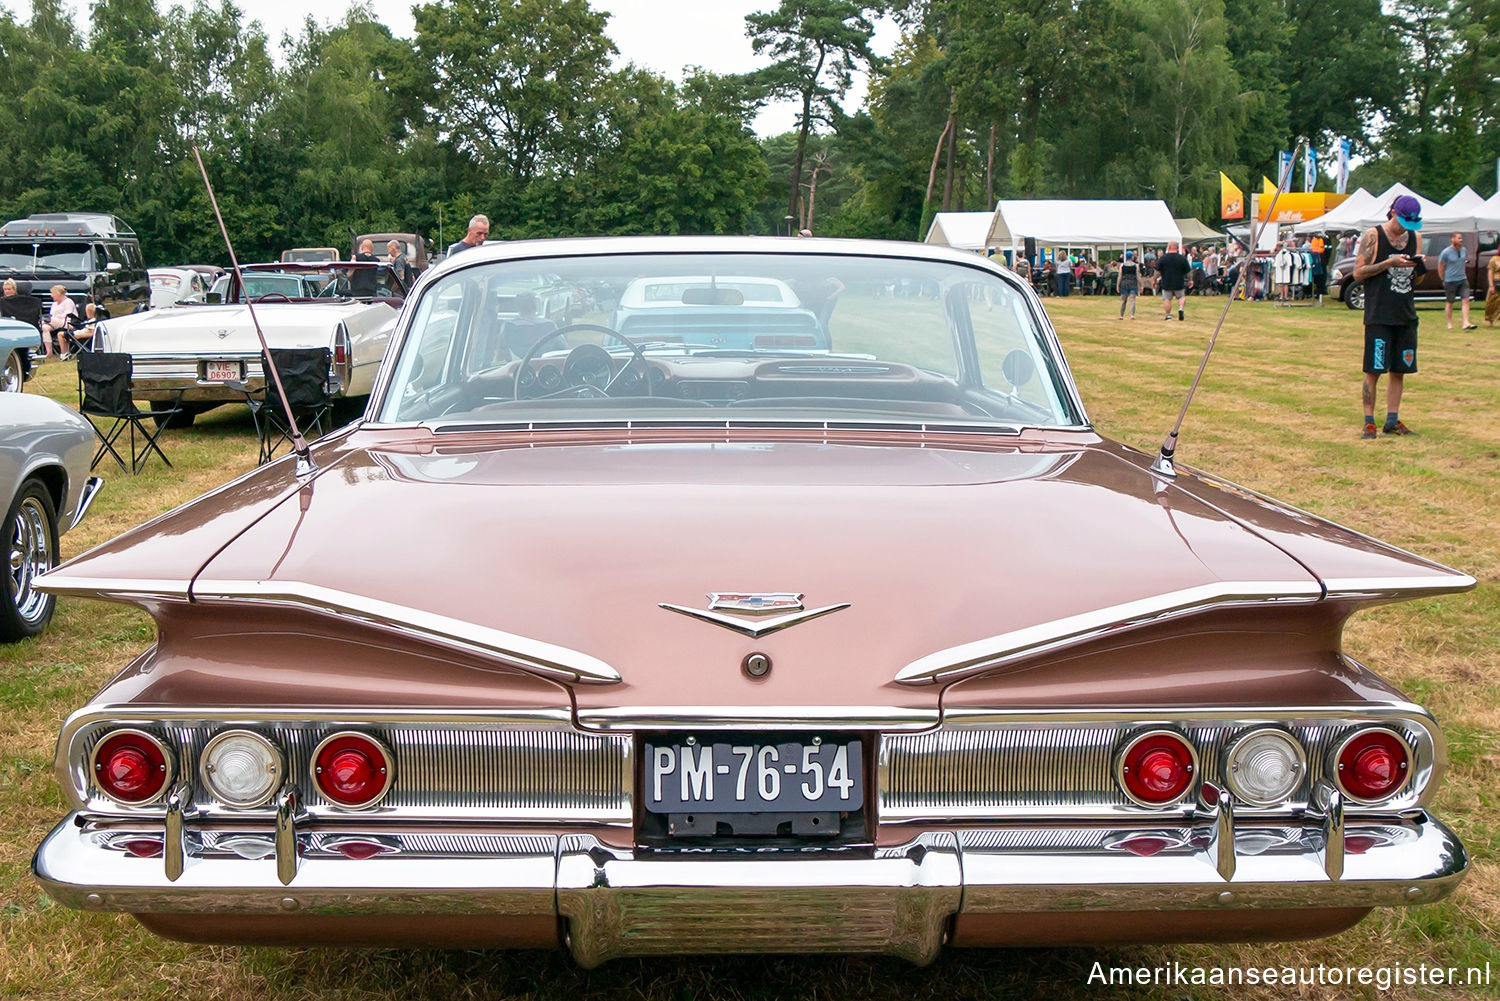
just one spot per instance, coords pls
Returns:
(741, 776)
(221, 371)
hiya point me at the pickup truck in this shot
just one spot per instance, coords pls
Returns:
(1478, 249)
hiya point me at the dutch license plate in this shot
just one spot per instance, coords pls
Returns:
(221, 371)
(740, 776)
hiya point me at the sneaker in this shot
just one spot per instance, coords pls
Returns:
(1369, 430)
(1167, 319)
(1397, 428)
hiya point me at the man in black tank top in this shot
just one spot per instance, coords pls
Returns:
(1388, 261)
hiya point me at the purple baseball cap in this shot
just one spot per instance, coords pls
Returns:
(1408, 211)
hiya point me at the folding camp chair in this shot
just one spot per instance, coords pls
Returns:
(306, 374)
(104, 383)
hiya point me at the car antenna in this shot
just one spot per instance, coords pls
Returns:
(1164, 466)
(305, 465)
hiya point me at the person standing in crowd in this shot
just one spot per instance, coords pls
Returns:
(1388, 261)
(479, 230)
(1064, 274)
(1174, 269)
(396, 258)
(1319, 268)
(1281, 273)
(1130, 283)
(1211, 269)
(1455, 267)
(1492, 301)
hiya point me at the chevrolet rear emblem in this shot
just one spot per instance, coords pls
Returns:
(754, 604)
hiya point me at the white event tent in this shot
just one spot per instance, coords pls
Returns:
(963, 230)
(1057, 222)
(1457, 213)
(1487, 216)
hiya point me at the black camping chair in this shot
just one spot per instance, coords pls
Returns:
(104, 382)
(306, 376)
(23, 306)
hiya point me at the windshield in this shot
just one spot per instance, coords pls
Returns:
(76, 258)
(741, 336)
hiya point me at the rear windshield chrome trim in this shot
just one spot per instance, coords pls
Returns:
(999, 651)
(777, 718)
(735, 424)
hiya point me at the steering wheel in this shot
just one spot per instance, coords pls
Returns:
(271, 297)
(598, 328)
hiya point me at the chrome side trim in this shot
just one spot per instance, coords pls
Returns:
(758, 717)
(546, 659)
(1396, 588)
(998, 651)
(91, 488)
(119, 589)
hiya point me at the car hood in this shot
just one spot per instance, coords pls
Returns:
(200, 329)
(930, 552)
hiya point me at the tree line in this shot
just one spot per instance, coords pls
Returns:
(514, 108)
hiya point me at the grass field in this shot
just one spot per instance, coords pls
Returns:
(1278, 411)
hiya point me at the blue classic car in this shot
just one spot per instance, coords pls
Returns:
(17, 341)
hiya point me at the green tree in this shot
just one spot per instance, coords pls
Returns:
(515, 81)
(817, 45)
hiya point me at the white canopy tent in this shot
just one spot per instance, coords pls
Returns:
(1487, 216)
(963, 230)
(1457, 213)
(1058, 222)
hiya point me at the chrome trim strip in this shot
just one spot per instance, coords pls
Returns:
(91, 488)
(120, 589)
(546, 659)
(755, 630)
(174, 845)
(998, 651)
(891, 718)
(286, 836)
(1396, 588)
(1329, 805)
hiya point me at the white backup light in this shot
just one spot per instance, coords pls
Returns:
(1265, 768)
(241, 768)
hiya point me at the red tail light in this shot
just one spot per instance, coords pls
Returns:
(1157, 768)
(352, 769)
(131, 766)
(1373, 765)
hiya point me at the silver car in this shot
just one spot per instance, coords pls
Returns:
(46, 489)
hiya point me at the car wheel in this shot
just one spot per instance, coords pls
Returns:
(13, 377)
(1354, 295)
(30, 534)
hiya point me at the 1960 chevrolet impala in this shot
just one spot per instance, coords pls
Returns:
(724, 641)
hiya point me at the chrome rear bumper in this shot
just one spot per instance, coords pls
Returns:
(897, 900)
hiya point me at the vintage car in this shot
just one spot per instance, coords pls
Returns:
(309, 255)
(724, 311)
(169, 285)
(45, 490)
(682, 648)
(18, 341)
(202, 351)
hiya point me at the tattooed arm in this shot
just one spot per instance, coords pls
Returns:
(1364, 257)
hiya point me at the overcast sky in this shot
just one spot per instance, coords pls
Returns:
(661, 35)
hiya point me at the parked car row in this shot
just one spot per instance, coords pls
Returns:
(1022, 685)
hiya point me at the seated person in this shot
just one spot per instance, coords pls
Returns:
(56, 323)
(18, 303)
(525, 330)
(80, 332)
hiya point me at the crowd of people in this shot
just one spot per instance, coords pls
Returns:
(64, 328)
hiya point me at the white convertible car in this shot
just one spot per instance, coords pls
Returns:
(194, 352)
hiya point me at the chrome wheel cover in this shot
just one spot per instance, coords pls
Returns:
(30, 556)
(13, 377)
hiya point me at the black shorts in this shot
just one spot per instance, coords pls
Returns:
(1390, 349)
(1456, 290)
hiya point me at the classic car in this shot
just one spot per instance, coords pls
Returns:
(169, 285)
(17, 343)
(725, 311)
(46, 489)
(202, 351)
(684, 648)
(309, 255)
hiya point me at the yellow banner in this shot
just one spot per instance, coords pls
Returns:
(1298, 206)
(1231, 199)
